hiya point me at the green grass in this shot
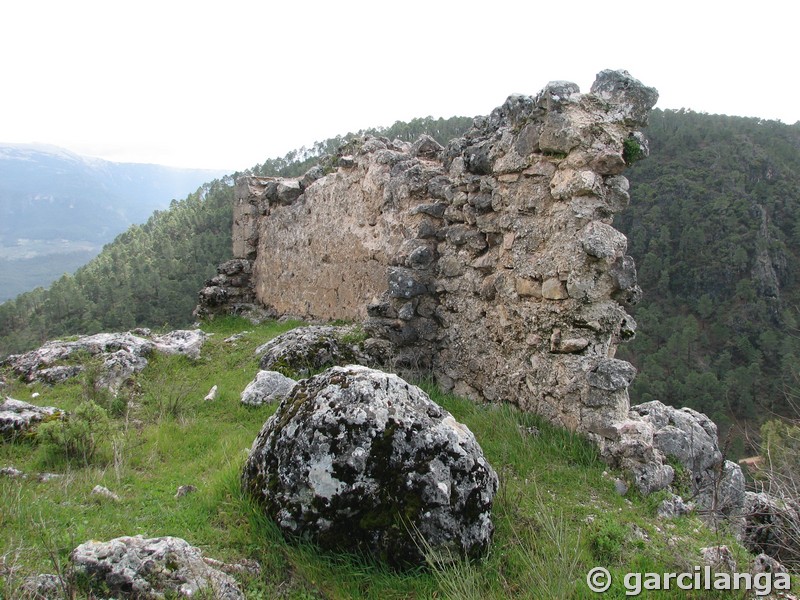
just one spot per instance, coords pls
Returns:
(556, 513)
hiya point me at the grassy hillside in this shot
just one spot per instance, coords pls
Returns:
(557, 513)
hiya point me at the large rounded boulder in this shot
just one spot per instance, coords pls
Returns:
(361, 461)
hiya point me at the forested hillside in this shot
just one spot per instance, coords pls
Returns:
(57, 208)
(148, 276)
(714, 226)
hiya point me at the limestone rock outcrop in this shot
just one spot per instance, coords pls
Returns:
(359, 460)
(121, 355)
(653, 433)
(17, 417)
(151, 568)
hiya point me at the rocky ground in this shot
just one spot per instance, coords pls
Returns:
(164, 503)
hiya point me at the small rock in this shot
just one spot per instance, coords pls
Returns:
(43, 587)
(45, 477)
(406, 311)
(35, 395)
(572, 345)
(268, 386)
(288, 191)
(346, 162)
(528, 288)
(620, 487)
(11, 472)
(531, 431)
(427, 147)
(554, 289)
(406, 283)
(611, 375)
(99, 490)
(631, 99)
(673, 507)
(602, 241)
(211, 395)
(184, 490)
(719, 557)
(236, 337)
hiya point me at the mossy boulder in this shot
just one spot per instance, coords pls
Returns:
(307, 350)
(358, 460)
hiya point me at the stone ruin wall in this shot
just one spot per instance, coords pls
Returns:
(490, 263)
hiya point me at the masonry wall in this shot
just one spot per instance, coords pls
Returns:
(490, 263)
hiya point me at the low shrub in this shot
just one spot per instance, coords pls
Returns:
(78, 435)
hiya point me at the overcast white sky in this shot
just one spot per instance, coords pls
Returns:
(229, 84)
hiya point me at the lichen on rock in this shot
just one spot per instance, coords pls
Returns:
(18, 418)
(120, 355)
(305, 350)
(151, 568)
(359, 460)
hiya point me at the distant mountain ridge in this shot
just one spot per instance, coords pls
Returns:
(58, 208)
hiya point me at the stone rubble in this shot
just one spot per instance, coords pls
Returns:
(185, 490)
(104, 492)
(211, 395)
